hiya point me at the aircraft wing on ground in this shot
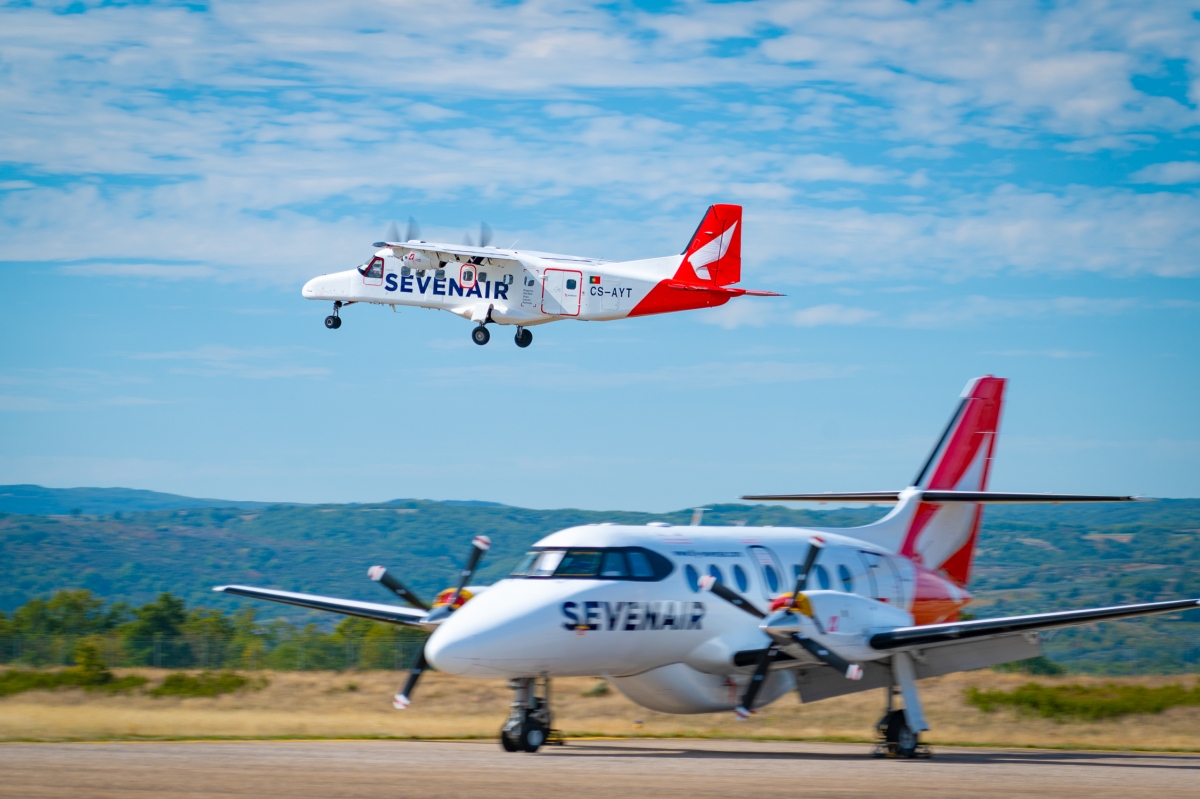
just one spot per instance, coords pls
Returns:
(953, 632)
(412, 617)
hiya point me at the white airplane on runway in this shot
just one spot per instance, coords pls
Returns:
(873, 607)
(525, 288)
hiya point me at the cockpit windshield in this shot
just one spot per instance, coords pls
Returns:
(372, 268)
(623, 563)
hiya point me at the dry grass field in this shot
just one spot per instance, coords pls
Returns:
(358, 704)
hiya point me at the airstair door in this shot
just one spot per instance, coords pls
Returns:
(561, 291)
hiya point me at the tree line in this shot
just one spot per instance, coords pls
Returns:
(166, 633)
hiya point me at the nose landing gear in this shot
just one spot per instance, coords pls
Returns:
(530, 723)
(333, 322)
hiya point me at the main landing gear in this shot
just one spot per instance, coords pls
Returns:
(530, 723)
(333, 321)
(480, 335)
(899, 730)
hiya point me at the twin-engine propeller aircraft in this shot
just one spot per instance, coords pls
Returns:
(525, 288)
(872, 607)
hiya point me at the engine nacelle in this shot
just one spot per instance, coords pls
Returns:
(679, 688)
(416, 260)
(846, 622)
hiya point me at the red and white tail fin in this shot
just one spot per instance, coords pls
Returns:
(941, 535)
(714, 255)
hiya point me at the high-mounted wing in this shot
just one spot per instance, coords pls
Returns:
(956, 631)
(463, 253)
(391, 614)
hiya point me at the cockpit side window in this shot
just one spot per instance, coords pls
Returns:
(373, 268)
(621, 563)
(579, 563)
(613, 565)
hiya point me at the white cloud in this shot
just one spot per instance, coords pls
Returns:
(1168, 174)
(158, 271)
(977, 309)
(831, 315)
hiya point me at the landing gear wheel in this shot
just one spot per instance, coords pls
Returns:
(901, 738)
(524, 337)
(480, 335)
(508, 743)
(333, 322)
(533, 735)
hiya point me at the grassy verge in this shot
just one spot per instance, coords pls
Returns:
(1086, 702)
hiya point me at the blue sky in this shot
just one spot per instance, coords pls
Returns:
(941, 190)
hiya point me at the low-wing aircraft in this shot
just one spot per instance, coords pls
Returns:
(822, 612)
(524, 288)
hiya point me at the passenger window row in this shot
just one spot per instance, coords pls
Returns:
(741, 579)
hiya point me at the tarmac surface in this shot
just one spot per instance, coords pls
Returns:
(579, 770)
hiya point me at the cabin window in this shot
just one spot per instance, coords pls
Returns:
(468, 275)
(739, 576)
(693, 577)
(846, 578)
(715, 572)
(772, 578)
(822, 577)
(572, 284)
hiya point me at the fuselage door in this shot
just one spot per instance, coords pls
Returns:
(561, 290)
(372, 272)
(882, 580)
(770, 573)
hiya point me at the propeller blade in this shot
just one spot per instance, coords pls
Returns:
(393, 232)
(414, 230)
(481, 544)
(710, 583)
(746, 708)
(403, 699)
(380, 575)
(815, 546)
(485, 234)
(851, 671)
(468, 241)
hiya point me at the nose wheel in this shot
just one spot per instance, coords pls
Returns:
(333, 321)
(529, 725)
(524, 337)
(480, 335)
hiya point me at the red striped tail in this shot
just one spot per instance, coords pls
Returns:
(714, 255)
(942, 537)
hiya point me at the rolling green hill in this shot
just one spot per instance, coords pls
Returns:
(1031, 558)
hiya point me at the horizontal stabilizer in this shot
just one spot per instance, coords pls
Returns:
(933, 634)
(347, 607)
(979, 497)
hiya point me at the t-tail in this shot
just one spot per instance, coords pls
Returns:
(936, 520)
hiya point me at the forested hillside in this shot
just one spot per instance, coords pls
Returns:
(1032, 558)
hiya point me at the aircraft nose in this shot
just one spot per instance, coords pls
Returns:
(311, 288)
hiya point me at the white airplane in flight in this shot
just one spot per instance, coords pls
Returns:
(525, 288)
(873, 607)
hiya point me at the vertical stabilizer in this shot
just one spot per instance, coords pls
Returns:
(714, 254)
(941, 536)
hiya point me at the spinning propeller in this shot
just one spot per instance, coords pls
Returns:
(485, 236)
(413, 232)
(799, 604)
(439, 612)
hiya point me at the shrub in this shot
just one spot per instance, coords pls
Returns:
(1085, 702)
(206, 683)
(1041, 666)
(599, 689)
